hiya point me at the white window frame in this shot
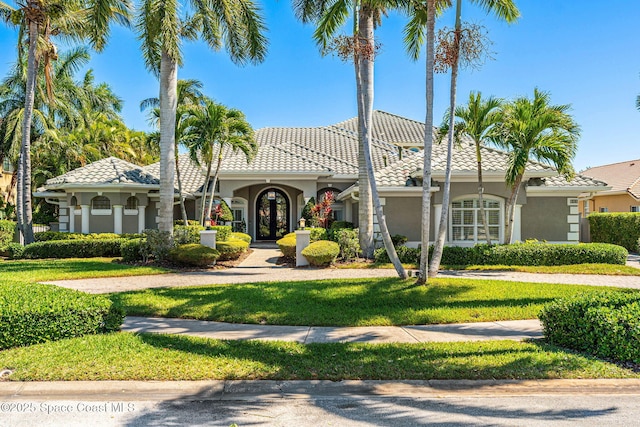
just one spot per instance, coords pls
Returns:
(635, 208)
(477, 224)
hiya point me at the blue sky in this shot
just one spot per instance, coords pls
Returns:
(582, 53)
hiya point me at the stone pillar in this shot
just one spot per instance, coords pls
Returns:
(208, 238)
(141, 218)
(117, 219)
(303, 238)
(85, 212)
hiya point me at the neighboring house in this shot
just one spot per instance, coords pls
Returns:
(624, 193)
(6, 180)
(294, 164)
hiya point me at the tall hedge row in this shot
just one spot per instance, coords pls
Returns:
(7, 231)
(618, 228)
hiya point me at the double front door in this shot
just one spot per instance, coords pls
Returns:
(272, 214)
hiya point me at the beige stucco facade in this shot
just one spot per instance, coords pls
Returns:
(607, 202)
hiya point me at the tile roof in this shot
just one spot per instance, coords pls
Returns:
(106, 171)
(623, 176)
(390, 128)
(191, 175)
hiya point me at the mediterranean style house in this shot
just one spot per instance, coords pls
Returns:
(624, 193)
(268, 194)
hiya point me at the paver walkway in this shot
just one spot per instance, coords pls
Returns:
(483, 331)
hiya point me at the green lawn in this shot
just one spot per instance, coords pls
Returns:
(38, 270)
(123, 356)
(357, 302)
(600, 269)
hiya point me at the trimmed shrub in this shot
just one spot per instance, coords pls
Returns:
(7, 231)
(321, 253)
(194, 254)
(74, 248)
(33, 313)
(398, 239)
(347, 239)
(518, 254)
(231, 249)
(183, 235)
(618, 228)
(15, 250)
(240, 236)
(306, 210)
(317, 233)
(605, 324)
(131, 250)
(337, 226)
(287, 245)
(45, 236)
(189, 221)
(157, 244)
(224, 232)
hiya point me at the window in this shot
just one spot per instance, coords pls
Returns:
(635, 208)
(585, 207)
(602, 210)
(132, 203)
(100, 202)
(74, 203)
(6, 165)
(466, 224)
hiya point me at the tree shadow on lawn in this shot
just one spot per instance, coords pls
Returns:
(328, 303)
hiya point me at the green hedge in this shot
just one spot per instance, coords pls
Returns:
(7, 231)
(605, 324)
(184, 234)
(194, 254)
(231, 249)
(617, 228)
(45, 236)
(74, 248)
(33, 313)
(131, 250)
(321, 253)
(518, 254)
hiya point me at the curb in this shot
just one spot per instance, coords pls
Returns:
(316, 389)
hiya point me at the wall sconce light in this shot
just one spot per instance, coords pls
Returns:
(302, 223)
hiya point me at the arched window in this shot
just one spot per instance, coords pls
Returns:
(74, 203)
(100, 203)
(132, 203)
(466, 224)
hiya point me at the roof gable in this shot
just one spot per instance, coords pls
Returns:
(106, 171)
(622, 176)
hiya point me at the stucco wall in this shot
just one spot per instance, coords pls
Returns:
(459, 189)
(545, 218)
(614, 203)
(403, 216)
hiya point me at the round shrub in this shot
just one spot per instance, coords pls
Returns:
(241, 236)
(32, 313)
(287, 245)
(15, 250)
(231, 249)
(194, 254)
(321, 253)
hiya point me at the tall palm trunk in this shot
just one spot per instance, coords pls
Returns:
(434, 266)
(365, 201)
(25, 215)
(205, 191)
(215, 178)
(511, 209)
(366, 100)
(483, 215)
(168, 106)
(183, 209)
(428, 143)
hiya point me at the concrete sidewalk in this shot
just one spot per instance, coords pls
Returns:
(517, 330)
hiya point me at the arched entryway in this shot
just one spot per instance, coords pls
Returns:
(272, 215)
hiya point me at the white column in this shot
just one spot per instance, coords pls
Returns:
(85, 212)
(117, 219)
(141, 218)
(348, 211)
(517, 225)
(72, 219)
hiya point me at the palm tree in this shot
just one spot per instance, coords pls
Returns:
(237, 23)
(478, 120)
(503, 9)
(40, 21)
(213, 125)
(189, 96)
(330, 16)
(535, 129)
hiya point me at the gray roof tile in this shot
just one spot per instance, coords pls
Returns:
(106, 171)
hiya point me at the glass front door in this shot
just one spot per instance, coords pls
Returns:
(272, 212)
